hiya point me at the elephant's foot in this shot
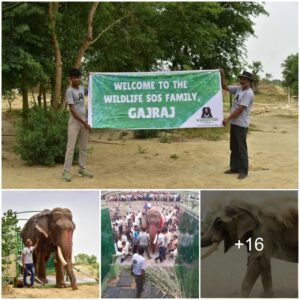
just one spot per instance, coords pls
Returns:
(74, 287)
(61, 285)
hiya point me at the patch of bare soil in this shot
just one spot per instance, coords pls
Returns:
(192, 163)
(84, 291)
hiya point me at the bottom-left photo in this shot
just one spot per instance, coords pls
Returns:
(50, 244)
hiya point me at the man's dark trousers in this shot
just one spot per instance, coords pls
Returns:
(239, 151)
(30, 268)
(139, 285)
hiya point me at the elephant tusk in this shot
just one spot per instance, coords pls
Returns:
(60, 256)
(211, 250)
(41, 230)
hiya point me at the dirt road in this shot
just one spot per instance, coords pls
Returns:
(200, 163)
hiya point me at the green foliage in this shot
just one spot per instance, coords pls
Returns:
(174, 156)
(42, 137)
(165, 137)
(152, 36)
(189, 278)
(290, 73)
(85, 259)
(10, 96)
(256, 68)
(145, 134)
(9, 239)
(189, 275)
(107, 243)
(25, 45)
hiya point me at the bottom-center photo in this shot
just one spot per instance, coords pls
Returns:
(150, 244)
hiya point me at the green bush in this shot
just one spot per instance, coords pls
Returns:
(42, 136)
(145, 133)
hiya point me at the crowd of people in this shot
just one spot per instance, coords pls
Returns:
(131, 232)
(144, 196)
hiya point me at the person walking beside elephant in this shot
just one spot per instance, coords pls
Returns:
(144, 241)
(27, 262)
(161, 246)
(239, 123)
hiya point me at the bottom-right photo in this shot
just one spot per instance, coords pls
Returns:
(249, 244)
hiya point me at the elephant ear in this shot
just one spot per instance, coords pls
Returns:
(245, 222)
(241, 222)
(42, 222)
(36, 226)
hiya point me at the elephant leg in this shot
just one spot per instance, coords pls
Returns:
(59, 269)
(253, 271)
(266, 277)
(41, 260)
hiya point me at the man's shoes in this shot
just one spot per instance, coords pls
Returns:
(242, 176)
(67, 176)
(229, 171)
(85, 173)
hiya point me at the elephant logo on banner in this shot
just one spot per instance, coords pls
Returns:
(206, 113)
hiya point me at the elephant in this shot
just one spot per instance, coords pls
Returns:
(52, 230)
(276, 223)
(155, 222)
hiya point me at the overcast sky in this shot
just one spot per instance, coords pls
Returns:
(83, 204)
(277, 36)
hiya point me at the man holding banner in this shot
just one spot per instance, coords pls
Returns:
(77, 126)
(239, 123)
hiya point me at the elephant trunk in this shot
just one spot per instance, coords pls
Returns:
(205, 243)
(153, 228)
(64, 252)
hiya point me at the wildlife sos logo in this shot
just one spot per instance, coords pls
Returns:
(207, 116)
(206, 113)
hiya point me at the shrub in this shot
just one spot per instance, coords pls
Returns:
(42, 136)
(145, 133)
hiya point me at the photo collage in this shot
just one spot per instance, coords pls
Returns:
(149, 149)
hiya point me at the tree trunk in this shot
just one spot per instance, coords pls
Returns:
(25, 98)
(44, 97)
(53, 10)
(89, 36)
(25, 101)
(39, 98)
(33, 97)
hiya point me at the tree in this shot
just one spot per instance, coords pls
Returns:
(256, 68)
(268, 76)
(9, 240)
(10, 96)
(24, 47)
(290, 74)
(206, 35)
(85, 259)
(112, 36)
